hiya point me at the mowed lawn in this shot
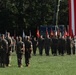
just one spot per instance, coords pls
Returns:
(43, 65)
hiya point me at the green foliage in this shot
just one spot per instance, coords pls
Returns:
(64, 13)
(23, 14)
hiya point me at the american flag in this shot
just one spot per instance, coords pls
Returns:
(72, 17)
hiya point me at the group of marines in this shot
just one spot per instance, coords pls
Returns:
(8, 45)
(57, 45)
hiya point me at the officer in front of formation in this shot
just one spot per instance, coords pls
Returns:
(28, 49)
(9, 40)
(4, 50)
(20, 48)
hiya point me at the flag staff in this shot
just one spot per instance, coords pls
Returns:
(57, 12)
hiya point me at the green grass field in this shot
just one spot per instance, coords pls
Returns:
(43, 65)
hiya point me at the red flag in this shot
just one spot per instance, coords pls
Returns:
(66, 33)
(38, 33)
(72, 17)
(51, 33)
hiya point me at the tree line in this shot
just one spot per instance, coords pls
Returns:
(27, 15)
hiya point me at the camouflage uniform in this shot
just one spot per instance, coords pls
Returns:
(9, 40)
(4, 48)
(28, 49)
(19, 52)
(40, 45)
(47, 45)
(54, 45)
(34, 42)
(68, 45)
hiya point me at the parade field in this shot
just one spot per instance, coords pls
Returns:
(43, 65)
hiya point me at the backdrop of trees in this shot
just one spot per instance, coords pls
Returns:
(18, 15)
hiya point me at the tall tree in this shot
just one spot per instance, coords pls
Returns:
(28, 14)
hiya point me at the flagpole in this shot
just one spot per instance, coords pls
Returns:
(57, 14)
